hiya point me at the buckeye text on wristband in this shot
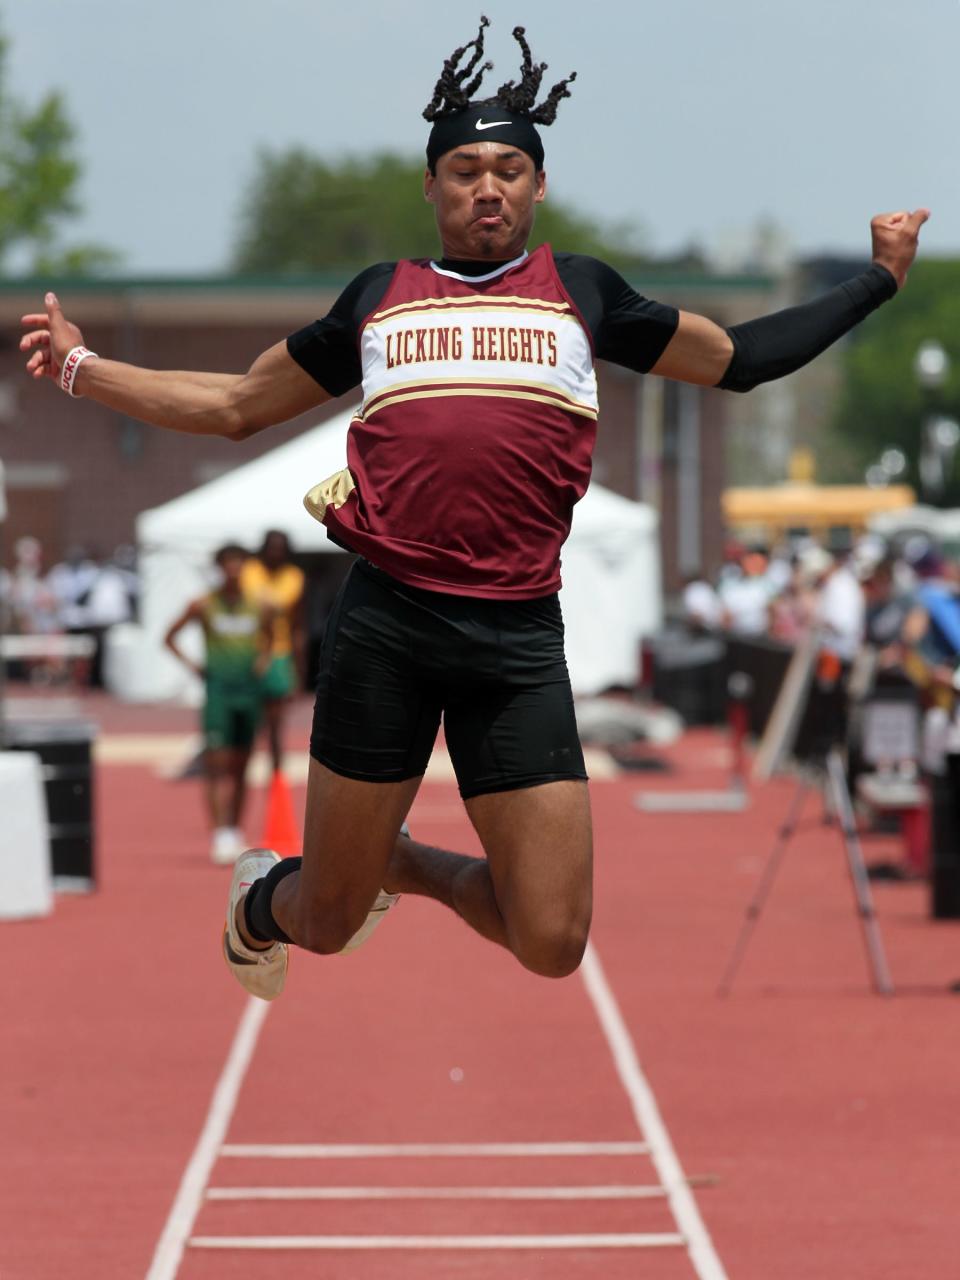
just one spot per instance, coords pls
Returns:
(68, 373)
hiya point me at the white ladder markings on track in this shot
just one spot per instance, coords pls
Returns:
(194, 1186)
(432, 1150)
(619, 1241)
(703, 1256)
(596, 1192)
(169, 1251)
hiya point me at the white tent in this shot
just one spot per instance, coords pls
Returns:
(611, 594)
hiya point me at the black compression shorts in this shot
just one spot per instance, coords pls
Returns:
(397, 658)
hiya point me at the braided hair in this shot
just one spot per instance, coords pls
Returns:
(454, 89)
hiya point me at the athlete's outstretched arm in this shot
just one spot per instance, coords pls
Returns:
(743, 356)
(273, 390)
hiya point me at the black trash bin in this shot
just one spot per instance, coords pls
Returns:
(765, 661)
(945, 842)
(65, 749)
(689, 676)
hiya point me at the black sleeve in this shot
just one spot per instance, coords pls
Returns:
(328, 349)
(776, 345)
(627, 329)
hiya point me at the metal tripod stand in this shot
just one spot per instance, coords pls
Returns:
(828, 773)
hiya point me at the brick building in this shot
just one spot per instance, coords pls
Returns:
(79, 473)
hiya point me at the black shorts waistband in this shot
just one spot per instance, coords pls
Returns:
(376, 574)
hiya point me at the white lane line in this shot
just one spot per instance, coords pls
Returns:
(368, 1150)
(597, 1192)
(704, 1257)
(622, 1241)
(169, 1251)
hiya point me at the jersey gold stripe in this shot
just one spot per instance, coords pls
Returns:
(473, 299)
(465, 386)
(569, 406)
(466, 313)
(498, 383)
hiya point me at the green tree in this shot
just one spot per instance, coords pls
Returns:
(881, 403)
(302, 214)
(39, 174)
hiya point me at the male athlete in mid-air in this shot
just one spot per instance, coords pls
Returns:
(465, 460)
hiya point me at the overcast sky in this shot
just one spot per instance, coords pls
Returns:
(691, 117)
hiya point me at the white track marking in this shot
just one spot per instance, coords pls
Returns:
(704, 1257)
(623, 1241)
(597, 1192)
(431, 1150)
(169, 1250)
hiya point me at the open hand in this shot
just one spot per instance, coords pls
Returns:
(895, 237)
(48, 340)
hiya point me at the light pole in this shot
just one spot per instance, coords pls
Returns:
(940, 435)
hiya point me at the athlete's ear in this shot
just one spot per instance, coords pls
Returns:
(540, 186)
(429, 182)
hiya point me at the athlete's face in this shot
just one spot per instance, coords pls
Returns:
(485, 196)
(276, 550)
(231, 566)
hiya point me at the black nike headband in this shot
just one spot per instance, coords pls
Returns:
(484, 122)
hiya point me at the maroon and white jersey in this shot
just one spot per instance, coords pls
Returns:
(474, 438)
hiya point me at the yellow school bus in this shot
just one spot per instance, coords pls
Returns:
(775, 511)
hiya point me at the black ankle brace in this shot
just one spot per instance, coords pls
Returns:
(258, 904)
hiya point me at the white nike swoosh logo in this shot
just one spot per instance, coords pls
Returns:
(492, 125)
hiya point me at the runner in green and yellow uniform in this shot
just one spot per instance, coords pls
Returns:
(271, 579)
(238, 635)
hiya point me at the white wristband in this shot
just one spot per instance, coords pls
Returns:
(68, 374)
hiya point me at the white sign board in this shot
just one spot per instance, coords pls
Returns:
(890, 732)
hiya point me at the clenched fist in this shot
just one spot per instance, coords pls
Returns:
(895, 237)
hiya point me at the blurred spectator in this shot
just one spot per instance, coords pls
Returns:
(868, 553)
(793, 610)
(113, 593)
(273, 581)
(702, 609)
(887, 610)
(815, 563)
(931, 632)
(34, 607)
(30, 608)
(70, 581)
(841, 609)
(730, 570)
(239, 635)
(746, 596)
(781, 569)
(905, 606)
(111, 599)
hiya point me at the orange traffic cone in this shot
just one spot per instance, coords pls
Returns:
(280, 830)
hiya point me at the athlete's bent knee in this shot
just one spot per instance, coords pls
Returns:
(554, 954)
(325, 934)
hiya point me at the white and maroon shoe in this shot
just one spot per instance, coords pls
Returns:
(262, 973)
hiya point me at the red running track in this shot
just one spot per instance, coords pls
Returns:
(816, 1120)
